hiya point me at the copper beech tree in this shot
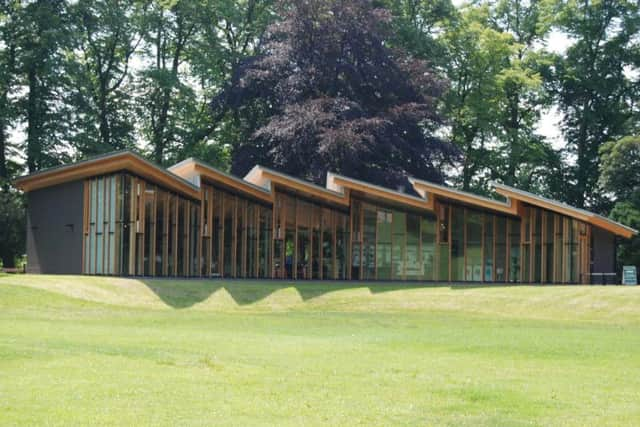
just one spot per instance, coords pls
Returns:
(327, 93)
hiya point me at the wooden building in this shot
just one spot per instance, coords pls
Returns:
(121, 215)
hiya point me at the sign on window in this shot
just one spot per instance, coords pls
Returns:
(629, 275)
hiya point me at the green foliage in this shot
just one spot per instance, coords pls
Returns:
(620, 176)
(12, 227)
(595, 93)
(497, 92)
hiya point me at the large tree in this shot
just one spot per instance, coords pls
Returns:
(620, 179)
(329, 94)
(107, 33)
(595, 92)
(39, 40)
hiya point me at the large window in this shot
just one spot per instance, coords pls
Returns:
(501, 249)
(473, 267)
(457, 243)
(413, 264)
(428, 230)
(514, 250)
(383, 250)
(488, 247)
(131, 228)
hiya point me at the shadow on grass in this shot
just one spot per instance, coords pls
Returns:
(184, 293)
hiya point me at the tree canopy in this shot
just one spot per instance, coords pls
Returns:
(374, 89)
(334, 96)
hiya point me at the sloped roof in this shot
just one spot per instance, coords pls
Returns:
(104, 164)
(565, 209)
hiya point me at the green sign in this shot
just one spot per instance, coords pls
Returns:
(629, 275)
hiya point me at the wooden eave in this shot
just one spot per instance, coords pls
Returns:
(121, 161)
(266, 178)
(188, 168)
(342, 183)
(570, 211)
(428, 190)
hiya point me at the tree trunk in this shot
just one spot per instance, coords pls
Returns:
(33, 125)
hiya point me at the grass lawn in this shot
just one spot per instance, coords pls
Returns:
(104, 351)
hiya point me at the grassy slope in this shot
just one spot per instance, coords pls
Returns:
(77, 350)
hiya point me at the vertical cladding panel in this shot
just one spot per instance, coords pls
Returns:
(112, 226)
(55, 229)
(603, 245)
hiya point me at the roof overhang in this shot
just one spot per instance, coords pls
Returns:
(564, 209)
(190, 168)
(343, 184)
(267, 178)
(110, 163)
(428, 190)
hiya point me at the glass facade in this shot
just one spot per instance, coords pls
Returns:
(133, 227)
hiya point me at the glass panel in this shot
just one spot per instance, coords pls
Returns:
(488, 247)
(149, 225)
(183, 233)
(428, 229)
(99, 225)
(383, 248)
(369, 243)
(160, 232)
(172, 244)
(327, 244)
(473, 268)
(558, 244)
(125, 223)
(290, 236)
(457, 244)
(501, 249)
(398, 248)
(514, 250)
(228, 232)
(194, 239)
(548, 246)
(573, 251)
(342, 246)
(413, 263)
(537, 248)
(241, 214)
(316, 241)
(216, 237)
(252, 240)
(264, 254)
(303, 266)
(112, 226)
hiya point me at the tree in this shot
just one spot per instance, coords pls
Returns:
(8, 76)
(40, 37)
(107, 35)
(190, 48)
(12, 227)
(620, 163)
(418, 24)
(328, 94)
(496, 94)
(595, 93)
(167, 31)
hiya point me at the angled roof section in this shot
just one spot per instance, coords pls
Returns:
(428, 189)
(194, 170)
(339, 183)
(564, 209)
(108, 163)
(265, 178)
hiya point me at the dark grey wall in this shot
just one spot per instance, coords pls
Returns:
(604, 251)
(54, 229)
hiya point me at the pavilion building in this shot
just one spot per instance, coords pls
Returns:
(121, 215)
